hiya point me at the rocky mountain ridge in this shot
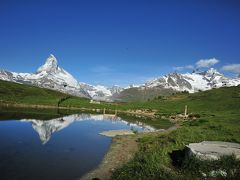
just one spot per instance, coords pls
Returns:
(51, 76)
(193, 82)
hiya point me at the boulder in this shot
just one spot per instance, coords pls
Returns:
(213, 150)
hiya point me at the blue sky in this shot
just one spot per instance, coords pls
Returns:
(120, 41)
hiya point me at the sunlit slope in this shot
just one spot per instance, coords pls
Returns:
(19, 93)
(215, 100)
(14, 93)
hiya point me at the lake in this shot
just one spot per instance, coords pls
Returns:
(63, 147)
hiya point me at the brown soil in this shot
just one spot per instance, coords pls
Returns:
(121, 151)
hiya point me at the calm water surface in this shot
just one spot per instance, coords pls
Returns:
(60, 148)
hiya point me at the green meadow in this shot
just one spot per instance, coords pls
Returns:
(218, 119)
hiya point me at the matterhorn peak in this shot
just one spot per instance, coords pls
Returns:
(51, 55)
(51, 65)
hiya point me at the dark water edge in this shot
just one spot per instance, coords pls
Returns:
(49, 113)
(35, 113)
(69, 153)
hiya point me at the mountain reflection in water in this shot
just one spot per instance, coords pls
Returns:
(69, 145)
(46, 128)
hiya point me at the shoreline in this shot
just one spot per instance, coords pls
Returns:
(114, 158)
(122, 149)
(98, 110)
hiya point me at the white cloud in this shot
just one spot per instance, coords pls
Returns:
(202, 63)
(180, 68)
(234, 68)
(205, 63)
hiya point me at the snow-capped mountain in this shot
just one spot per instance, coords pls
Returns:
(193, 82)
(101, 92)
(51, 76)
(175, 82)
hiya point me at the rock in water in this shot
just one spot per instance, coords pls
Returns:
(213, 150)
(113, 133)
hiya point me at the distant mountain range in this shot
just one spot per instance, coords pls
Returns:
(51, 76)
(176, 82)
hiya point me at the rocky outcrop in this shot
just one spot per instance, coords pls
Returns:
(213, 150)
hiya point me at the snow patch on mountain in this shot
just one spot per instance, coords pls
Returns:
(51, 76)
(51, 65)
(193, 82)
(100, 92)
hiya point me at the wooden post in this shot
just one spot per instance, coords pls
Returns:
(144, 93)
(185, 111)
(104, 111)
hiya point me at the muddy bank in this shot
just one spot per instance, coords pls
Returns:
(123, 149)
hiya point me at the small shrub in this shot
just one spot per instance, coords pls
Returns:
(227, 167)
(198, 122)
(194, 116)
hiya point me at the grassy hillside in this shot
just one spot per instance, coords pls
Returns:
(14, 93)
(214, 101)
(217, 109)
(219, 121)
(19, 93)
(137, 94)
